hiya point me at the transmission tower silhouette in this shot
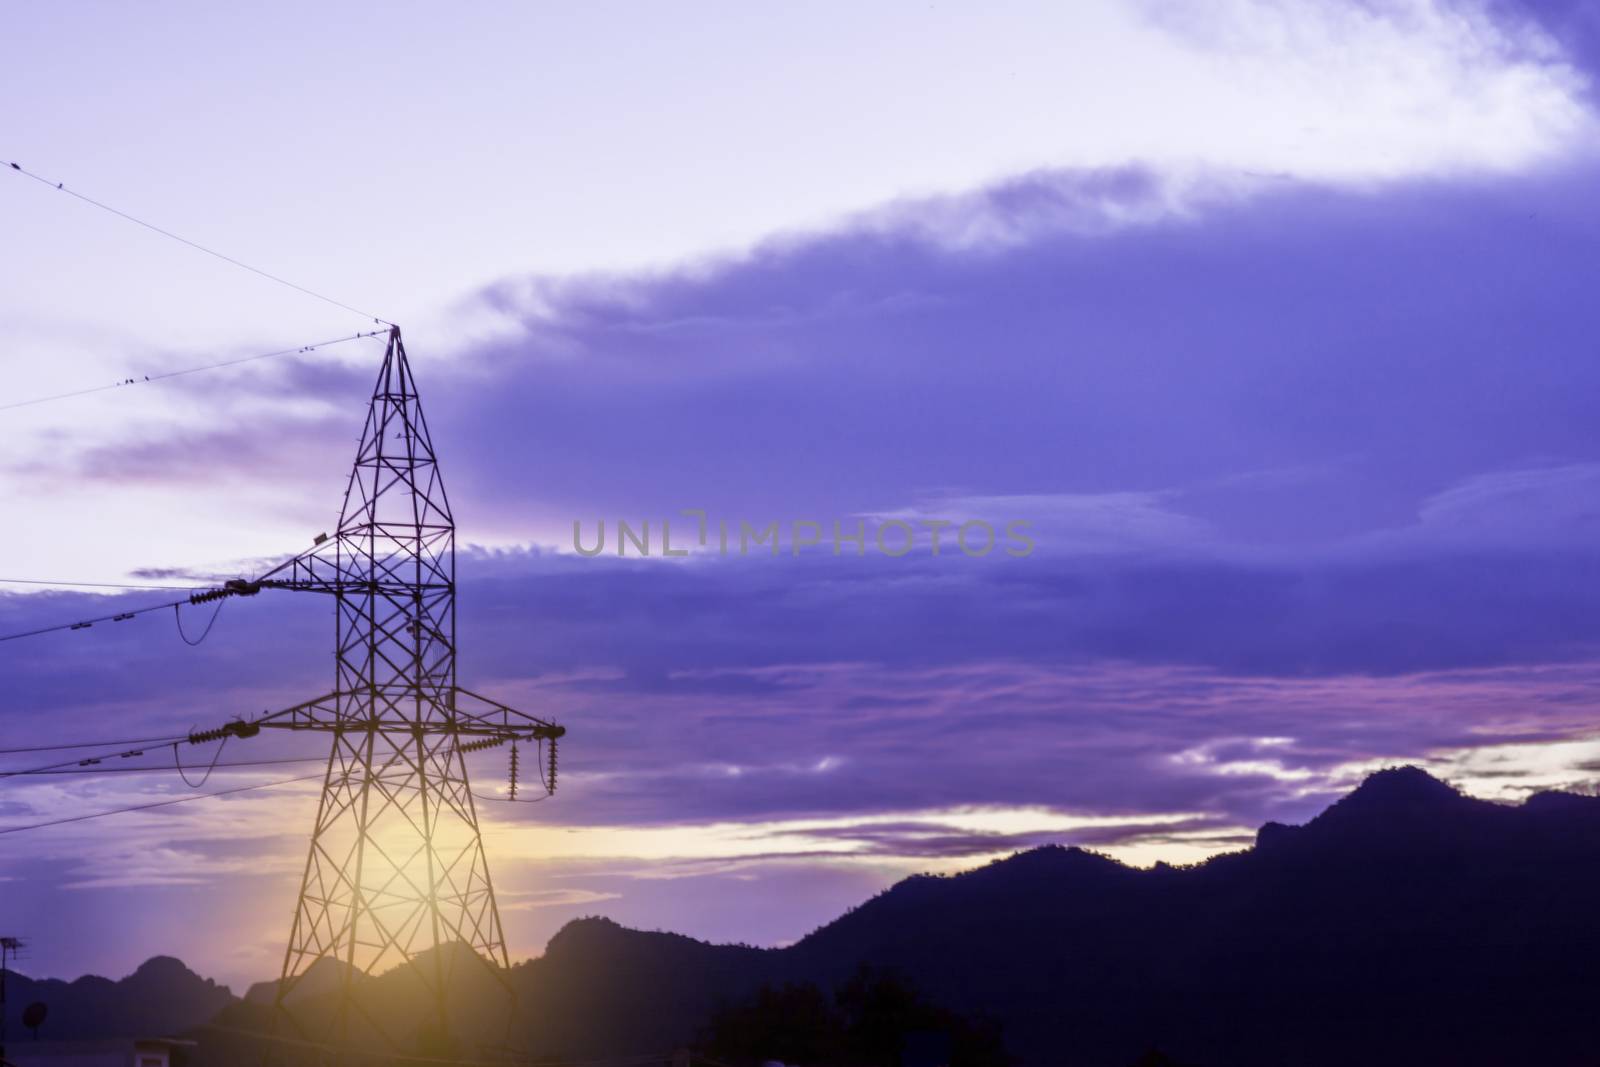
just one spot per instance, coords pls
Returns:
(396, 872)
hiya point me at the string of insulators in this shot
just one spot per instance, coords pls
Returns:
(513, 770)
(550, 786)
(237, 728)
(485, 742)
(232, 587)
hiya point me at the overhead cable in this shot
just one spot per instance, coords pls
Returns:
(156, 804)
(164, 375)
(20, 169)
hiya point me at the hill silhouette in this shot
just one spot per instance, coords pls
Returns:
(1405, 924)
(161, 997)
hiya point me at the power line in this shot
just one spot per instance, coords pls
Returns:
(93, 764)
(72, 767)
(149, 378)
(511, 797)
(510, 800)
(92, 759)
(157, 804)
(86, 585)
(20, 169)
(236, 728)
(84, 624)
(90, 744)
(177, 762)
(199, 596)
(177, 614)
(168, 770)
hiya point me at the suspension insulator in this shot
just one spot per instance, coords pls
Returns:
(513, 770)
(236, 728)
(231, 587)
(550, 786)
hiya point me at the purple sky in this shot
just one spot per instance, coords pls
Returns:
(1309, 455)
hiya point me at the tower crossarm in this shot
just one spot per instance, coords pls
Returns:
(311, 574)
(332, 567)
(470, 716)
(487, 713)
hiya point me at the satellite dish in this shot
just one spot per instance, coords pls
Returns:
(33, 1015)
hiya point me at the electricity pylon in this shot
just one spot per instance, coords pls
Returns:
(396, 865)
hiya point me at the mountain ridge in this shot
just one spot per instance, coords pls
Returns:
(1405, 891)
(1407, 922)
(161, 996)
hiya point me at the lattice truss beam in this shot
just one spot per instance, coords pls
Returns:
(396, 864)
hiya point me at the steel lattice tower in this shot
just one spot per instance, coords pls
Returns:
(396, 864)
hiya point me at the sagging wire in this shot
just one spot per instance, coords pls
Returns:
(177, 761)
(84, 624)
(229, 765)
(177, 614)
(157, 804)
(61, 187)
(87, 761)
(91, 585)
(231, 587)
(236, 728)
(149, 379)
(90, 744)
(547, 776)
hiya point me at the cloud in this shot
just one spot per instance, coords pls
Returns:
(1311, 473)
(1270, 448)
(1549, 507)
(1272, 440)
(526, 900)
(1572, 26)
(1516, 65)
